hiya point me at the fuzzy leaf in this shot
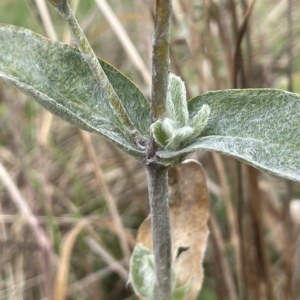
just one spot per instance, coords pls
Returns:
(169, 126)
(57, 76)
(142, 272)
(180, 136)
(169, 135)
(258, 126)
(199, 121)
(159, 133)
(177, 109)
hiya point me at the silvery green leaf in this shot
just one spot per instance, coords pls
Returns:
(180, 136)
(159, 133)
(57, 76)
(177, 109)
(199, 120)
(169, 126)
(258, 126)
(142, 272)
(167, 133)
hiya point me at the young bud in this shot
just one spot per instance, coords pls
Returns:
(200, 120)
(177, 109)
(179, 137)
(159, 134)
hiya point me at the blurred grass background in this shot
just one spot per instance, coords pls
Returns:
(72, 180)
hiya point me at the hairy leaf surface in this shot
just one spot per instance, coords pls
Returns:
(57, 76)
(142, 272)
(258, 126)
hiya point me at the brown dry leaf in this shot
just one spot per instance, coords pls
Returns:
(189, 213)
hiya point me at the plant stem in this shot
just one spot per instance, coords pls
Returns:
(161, 234)
(90, 57)
(160, 59)
(158, 174)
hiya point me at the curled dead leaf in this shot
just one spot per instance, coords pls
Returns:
(189, 213)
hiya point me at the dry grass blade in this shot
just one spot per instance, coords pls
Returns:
(220, 17)
(194, 43)
(232, 219)
(288, 239)
(125, 40)
(107, 258)
(46, 19)
(121, 232)
(22, 205)
(258, 227)
(208, 40)
(12, 271)
(240, 34)
(61, 281)
(189, 212)
(226, 274)
(93, 277)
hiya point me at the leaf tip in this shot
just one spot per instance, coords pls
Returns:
(200, 119)
(177, 104)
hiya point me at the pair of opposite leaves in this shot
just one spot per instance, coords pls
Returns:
(258, 126)
(189, 213)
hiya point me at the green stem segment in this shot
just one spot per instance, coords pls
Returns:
(160, 59)
(90, 57)
(158, 174)
(159, 205)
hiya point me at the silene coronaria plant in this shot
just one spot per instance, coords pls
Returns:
(258, 126)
